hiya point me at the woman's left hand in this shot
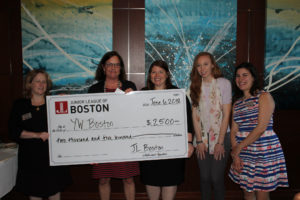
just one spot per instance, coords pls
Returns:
(219, 151)
(44, 136)
(190, 150)
(128, 90)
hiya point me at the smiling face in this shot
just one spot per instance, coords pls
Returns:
(204, 67)
(158, 77)
(112, 68)
(39, 85)
(244, 79)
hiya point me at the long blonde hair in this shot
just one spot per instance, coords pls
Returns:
(196, 79)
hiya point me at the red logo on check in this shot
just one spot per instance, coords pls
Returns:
(61, 107)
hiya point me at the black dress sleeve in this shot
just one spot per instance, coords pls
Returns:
(189, 117)
(188, 113)
(97, 88)
(15, 120)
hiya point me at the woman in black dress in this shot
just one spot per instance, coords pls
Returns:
(163, 176)
(28, 127)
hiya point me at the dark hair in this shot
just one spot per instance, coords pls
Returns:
(196, 80)
(162, 64)
(100, 74)
(29, 78)
(256, 86)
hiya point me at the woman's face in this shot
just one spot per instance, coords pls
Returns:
(39, 84)
(158, 77)
(112, 68)
(244, 79)
(204, 66)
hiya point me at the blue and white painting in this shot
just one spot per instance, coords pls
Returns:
(177, 30)
(67, 38)
(282, 54)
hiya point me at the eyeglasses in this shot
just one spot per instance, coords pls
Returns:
(116, 65)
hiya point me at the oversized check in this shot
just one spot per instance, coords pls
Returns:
(110, 127)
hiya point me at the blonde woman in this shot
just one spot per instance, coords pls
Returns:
(28, 127)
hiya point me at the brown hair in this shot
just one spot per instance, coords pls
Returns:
(256, 86)
(29, 78)
(196, 80)
(162, 64)
(100, 74)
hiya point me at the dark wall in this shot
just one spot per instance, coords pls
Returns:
(11, 60)
(128, 39)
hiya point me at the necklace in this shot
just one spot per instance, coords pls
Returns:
(37, 104)
(119, 85)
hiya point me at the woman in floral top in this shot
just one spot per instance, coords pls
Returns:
(210, 96)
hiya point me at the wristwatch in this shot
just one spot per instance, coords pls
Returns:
(199, 142)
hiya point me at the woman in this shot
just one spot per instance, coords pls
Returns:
(258, 161)
(211, 105)
(110, 75)
(163, 176)
(28, 127)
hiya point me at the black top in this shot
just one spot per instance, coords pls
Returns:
(35, 177)
(33, 153)
(99, 87)
(169, 172)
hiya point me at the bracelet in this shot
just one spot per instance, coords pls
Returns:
(220, 143)
(199, 142)
(190, 142)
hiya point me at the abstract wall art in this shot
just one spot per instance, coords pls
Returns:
(282, 53)
(67, 38)
(177, 30)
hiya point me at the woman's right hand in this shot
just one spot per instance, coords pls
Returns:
(237, 164)
(128, 90)
(44, 136)
(200, 150)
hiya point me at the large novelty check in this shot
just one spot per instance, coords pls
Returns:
(110, 127)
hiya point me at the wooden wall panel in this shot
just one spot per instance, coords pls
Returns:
(120, 34)
(128, 37)
(257, 40)
(15, 49)
(11, 62)
(137, 46)
(286, 126)
(242, 44)
(4, 39)
(6, 103)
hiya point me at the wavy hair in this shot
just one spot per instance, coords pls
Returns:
(29, 78)
(100, 74)
(162, 64)
(196, 79)
(256, 86)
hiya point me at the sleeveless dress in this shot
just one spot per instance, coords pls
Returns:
(264, 167)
